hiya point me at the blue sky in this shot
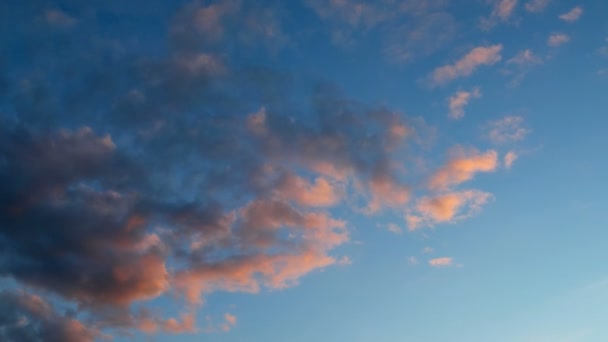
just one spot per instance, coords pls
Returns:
(338, 170)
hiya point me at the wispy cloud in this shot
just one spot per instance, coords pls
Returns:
(536, 5)
(572, 15)
(557, 39)
(483, 55)
(507, 130)
(502, 11)
(525, 57)
(510, 158)
(458, 101)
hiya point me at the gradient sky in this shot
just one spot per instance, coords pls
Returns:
(307, 170)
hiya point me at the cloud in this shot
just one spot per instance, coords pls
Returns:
(395, 229)
(27, 317)
(230, 321)
(441, 262)
(446, 208)
(502, 11)
(510, 158)
(507, 130)
(458, 101)
(462, 167)
(482, 55)
(428, 250)
(536, 5)
(557, 39)
(321, 193)
(525, 57)
(572, 15)
(59, 18)
(412, 260)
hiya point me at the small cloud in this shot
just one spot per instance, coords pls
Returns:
(59, 18)
(395, 229)
(507, 130)
(536, 6)
(481, 55)
(572, 15)
(525, 57)
(502, 11)
(463, 167)
(229, 322)
(557, 39)
(510, 158)
(441, 262)
(458, 101)
(344, 261)
(412, 260)
(447, 208)
(428, 250)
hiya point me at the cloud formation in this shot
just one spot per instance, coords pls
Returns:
(446, 208)
(572, 15)
(482, 55)
(510, 158)
(463, 166)
(536, 5)
(507, 130)
(557, 39)
(458, 101)
(441, 262)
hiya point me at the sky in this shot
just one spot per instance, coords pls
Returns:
(340, 170)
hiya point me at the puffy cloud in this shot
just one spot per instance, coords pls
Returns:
(446, 208)
(462, 167)
(507, 130)
(536, 5)
(27, 317)
(572, 15)
(510, 158)
(395, 229)
(557, 39)
(441, 262)
(482, 55)
(458, 101)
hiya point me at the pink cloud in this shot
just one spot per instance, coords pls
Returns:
(557, 39)
(446, 208)
(482, 55)
(572, 15)
(230, 321)
(387, 192)
(321, 193)
(504, 8)
(510, 158)
(441, 262)
(458, 101)
(463, 167)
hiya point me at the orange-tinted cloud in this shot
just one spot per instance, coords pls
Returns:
(321, 193)
(441, 262)
(446, 208)
(463, 167)
(482, 55)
